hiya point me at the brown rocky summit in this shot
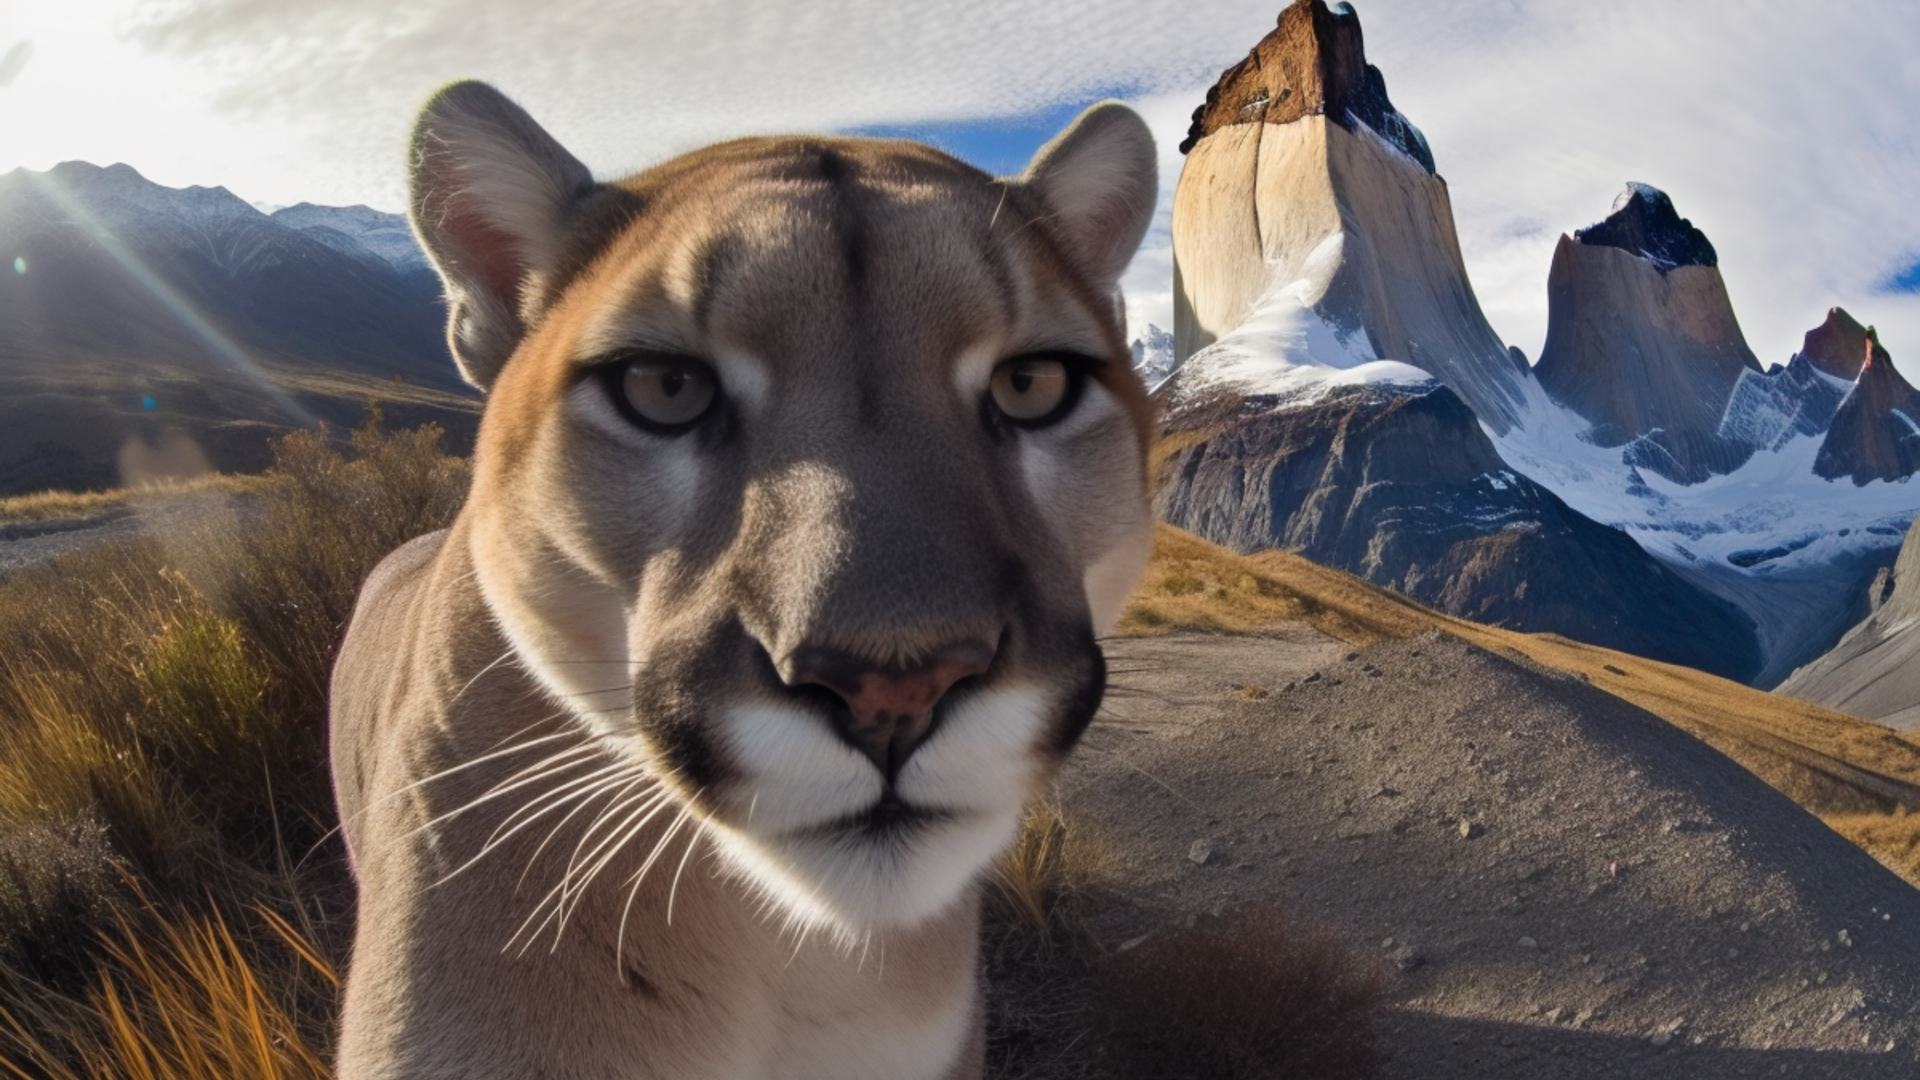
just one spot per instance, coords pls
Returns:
(1838, 346)
(1313, 63)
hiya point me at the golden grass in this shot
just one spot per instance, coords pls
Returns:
(174, 998)
(163, 760)
(1894, 839)
(1050, 862)
(54, 505)
(1194, 586)
(1829, 762)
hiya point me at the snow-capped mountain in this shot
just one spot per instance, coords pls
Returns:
(132, 308)
(1323, 222)
(1153, 355)
(356, 229)
(1745, 510)
(1642, 342)
(1339, 382)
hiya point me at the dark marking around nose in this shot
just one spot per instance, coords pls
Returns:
(889, 710)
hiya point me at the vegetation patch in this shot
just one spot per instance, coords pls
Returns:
(173, 893)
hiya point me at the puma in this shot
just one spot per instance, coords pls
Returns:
(811, 473)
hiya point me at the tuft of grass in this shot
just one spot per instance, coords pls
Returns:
(1050, 865)
(1242, 996)
(1038, 945)
(175, 998)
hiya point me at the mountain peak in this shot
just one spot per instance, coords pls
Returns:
(1875, 435)
(1838, 346)
(1313, 63)
(1644, 222)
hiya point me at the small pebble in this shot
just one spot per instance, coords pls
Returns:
(1661, 1038)
(1200, 852)
(1529, 943)
(1472, 830)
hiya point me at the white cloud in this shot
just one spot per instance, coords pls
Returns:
(1785, 130)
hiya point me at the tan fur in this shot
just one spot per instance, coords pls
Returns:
(601, 819)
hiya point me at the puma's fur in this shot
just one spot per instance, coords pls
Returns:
(681, 753)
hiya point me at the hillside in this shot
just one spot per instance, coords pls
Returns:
(148, 331)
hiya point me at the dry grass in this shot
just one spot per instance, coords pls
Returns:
(1829, 762)
(163, 772)
(178, 998)
(1050, 865)
(55, 505)
(1194, 586)
(1894, 839)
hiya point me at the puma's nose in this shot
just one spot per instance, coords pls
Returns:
(889, 710)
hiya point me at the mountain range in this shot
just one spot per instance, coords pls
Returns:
(1330, 384)
(145, 327)
(1646, 485)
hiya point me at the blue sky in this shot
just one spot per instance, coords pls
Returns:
(1000, 145)
(1786, 131)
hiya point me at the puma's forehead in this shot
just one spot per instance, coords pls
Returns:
(856, 250)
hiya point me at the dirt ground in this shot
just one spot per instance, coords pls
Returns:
(1553, 882)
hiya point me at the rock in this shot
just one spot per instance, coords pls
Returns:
(1836, 347)
(1874, 670)
(1875, 435)
(1642, 341)
(1200, 852)
(1472, 830)
(1307, 199)
(1314, 63)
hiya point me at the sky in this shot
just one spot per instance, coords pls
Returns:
(1789, 132)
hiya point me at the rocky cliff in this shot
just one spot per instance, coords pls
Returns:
(1642, 341)
(1404, 489)
(1836, 347)
(1875, 434)
(1874, 671)
(1306, 197)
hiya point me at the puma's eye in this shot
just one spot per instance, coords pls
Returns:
(666, 393)
(1033, 390)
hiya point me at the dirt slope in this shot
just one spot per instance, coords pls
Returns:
(1559, 884)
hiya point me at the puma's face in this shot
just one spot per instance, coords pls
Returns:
(811, 472)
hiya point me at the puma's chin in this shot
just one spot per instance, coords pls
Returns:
(889, 870)
(830, 844)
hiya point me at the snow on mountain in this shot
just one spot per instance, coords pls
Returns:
(1322, 224)
(1767, 410)
(1287, 350)
(355, 229)
(1153, 355)
(1771, 514)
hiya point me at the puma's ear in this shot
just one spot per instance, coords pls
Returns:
(489, 200)
(1099, 179)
